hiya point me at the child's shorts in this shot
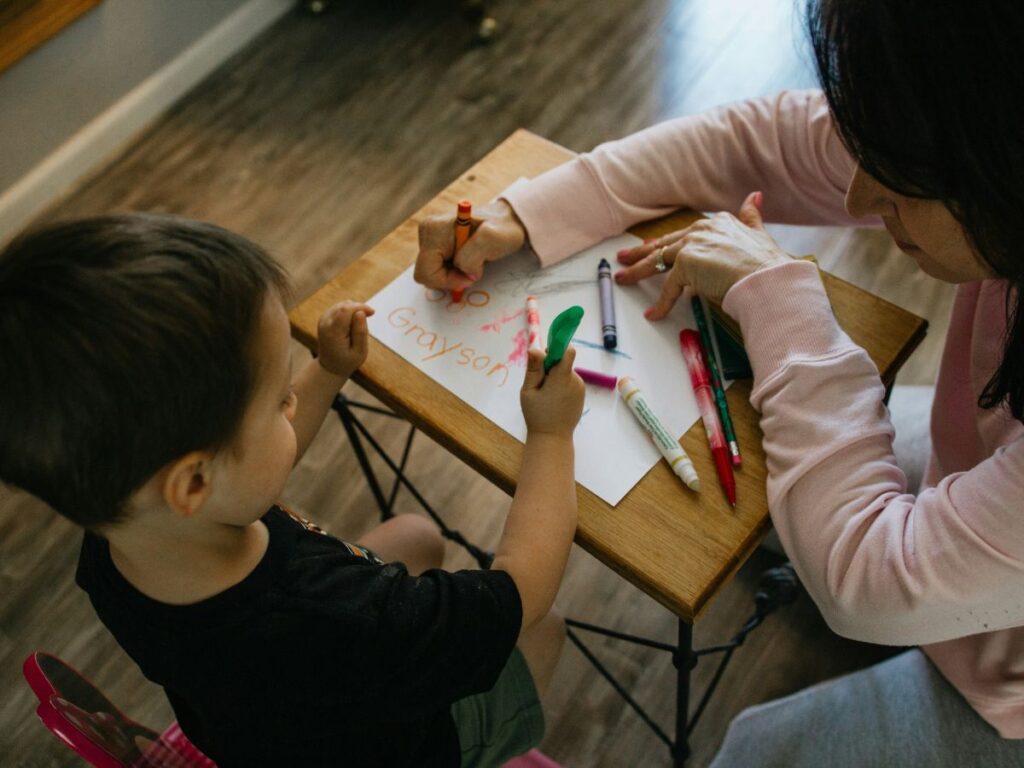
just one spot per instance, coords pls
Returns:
(506, 721)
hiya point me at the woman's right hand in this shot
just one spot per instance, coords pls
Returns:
(497, 232)
(552, 403)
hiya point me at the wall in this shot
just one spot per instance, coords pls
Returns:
(73, 104)
(50, 94)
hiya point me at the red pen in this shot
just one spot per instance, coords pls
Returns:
(694, 353)
(463, 228)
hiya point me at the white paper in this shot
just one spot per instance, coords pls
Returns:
(477, 349)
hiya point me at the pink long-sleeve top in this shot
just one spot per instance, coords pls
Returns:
(943, 569)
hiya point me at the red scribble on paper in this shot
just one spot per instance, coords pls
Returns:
(501, 321)
(519, 349)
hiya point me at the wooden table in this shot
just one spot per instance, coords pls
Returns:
(677, 547)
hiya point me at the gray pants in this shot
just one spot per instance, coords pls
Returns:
(900, 713)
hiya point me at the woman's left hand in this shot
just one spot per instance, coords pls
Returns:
(711, 255)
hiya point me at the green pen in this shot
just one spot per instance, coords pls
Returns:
(716, 382)
(560, 334)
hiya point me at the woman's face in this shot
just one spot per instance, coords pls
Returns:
(925, 230)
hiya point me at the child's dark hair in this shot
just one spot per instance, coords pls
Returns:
(125, 342)
(926, 96)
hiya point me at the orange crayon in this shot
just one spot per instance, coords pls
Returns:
(463, 229)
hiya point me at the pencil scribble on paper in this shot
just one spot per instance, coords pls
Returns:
(541, 283)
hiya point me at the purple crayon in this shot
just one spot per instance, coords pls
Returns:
(604, 287)
(605, 380)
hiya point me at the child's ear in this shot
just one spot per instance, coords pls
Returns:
(187, 483)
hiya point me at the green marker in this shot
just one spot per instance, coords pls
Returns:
(560, 334)
(716, 381)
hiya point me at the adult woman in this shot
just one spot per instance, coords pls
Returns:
(919, 125)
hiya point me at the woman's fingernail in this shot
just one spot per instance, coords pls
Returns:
(623, 252)
(619, 275)
(649, 240)
(473, 278)
(758, 199)
(648, 312)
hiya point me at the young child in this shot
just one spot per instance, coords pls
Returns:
(154, 406)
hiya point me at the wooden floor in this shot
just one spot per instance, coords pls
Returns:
(317, 140)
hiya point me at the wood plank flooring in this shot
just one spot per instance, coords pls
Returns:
(318, 139)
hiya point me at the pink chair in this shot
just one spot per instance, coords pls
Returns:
(532, 759)
(86, 720)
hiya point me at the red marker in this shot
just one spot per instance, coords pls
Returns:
(463, 229)
(693, 352)
(533, 323)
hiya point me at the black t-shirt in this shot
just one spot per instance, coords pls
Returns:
(322, 656)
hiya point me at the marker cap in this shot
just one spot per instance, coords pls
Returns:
(685, 471)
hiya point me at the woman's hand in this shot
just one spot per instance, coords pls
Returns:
(711, 255)
(497, 232)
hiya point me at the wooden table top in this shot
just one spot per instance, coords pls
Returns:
(678, 547)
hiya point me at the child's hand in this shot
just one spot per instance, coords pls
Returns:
(343, 337)
(551, 404)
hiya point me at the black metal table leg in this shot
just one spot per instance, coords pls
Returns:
(348, 421)
(777, 586)
(684, 661)
(357, 431)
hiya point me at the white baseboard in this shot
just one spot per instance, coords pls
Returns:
(110, 131)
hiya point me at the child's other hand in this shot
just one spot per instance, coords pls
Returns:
(551, 404)
(343, 337)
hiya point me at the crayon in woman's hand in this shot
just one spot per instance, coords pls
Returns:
(463, 229)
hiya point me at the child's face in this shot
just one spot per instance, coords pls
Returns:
(249, 478)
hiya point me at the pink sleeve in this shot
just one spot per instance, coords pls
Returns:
(784, 145)
(882, 565)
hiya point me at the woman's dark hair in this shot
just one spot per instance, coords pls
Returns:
(125, 342)
(928, 97)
